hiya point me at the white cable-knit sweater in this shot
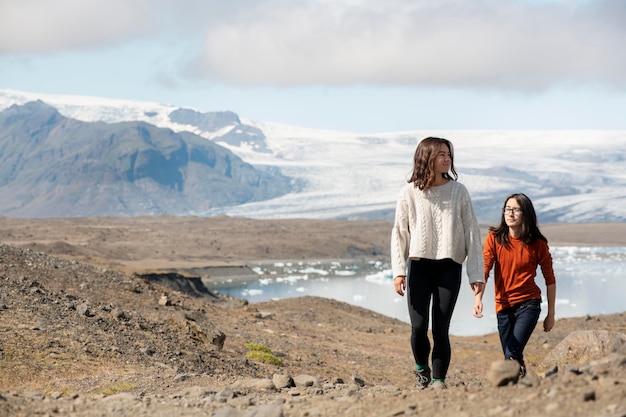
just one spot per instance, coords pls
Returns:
(436, 223)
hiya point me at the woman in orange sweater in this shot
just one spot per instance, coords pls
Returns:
(515, 249)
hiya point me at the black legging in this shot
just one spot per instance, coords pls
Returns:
(441, 281)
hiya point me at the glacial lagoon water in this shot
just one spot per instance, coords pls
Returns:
(590, 280)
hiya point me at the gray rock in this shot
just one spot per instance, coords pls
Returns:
(531, 379)
(589, 395)
(585, 346)
(614, 360)
(358, 381)
(268, 410)
(197, 391)
(34, 395)
(228, 412)
(182, 377)
(55, 395)
(255, 384)
(226, 394)
(120, 398)
(503, 372)
(148, 350)
(282, 381)
(119, 314)
(164, 300)
(306, 381)
(552, 371)
(83, 310)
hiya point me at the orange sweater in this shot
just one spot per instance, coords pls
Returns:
(515, 269)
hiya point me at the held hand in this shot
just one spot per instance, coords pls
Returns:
(478, 307)
(548, 323)
(399, 284)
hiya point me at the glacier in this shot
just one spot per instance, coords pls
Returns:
(575, 176)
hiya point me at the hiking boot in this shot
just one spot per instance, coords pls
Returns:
(522, 371)
(522, 368)
(438, 384)
(423, 378)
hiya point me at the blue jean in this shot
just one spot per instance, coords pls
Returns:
(515, 326)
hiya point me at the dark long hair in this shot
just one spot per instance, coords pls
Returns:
(424, 161)
(530, 231)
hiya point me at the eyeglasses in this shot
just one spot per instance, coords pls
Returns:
(512, 210)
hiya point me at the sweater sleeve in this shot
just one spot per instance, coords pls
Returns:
(400, 238)
(473, 242)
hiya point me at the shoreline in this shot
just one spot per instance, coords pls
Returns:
(222, 247)
(226, 273)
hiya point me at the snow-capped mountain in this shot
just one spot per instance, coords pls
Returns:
(55, 166)
(576, 176)
(571, 176)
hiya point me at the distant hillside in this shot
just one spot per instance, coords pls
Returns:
(572, 176)
(54, 166)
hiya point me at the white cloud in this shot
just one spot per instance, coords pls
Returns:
(512, 45)
(43, 26)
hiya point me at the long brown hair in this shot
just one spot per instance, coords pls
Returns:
(424, 162)
(530, 230)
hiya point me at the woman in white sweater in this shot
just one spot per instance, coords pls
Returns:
(435, 230)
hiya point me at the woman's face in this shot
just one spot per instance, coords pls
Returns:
(512, 213)
(443, 159)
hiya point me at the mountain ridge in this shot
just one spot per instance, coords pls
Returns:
(572, 176)
(54, 166)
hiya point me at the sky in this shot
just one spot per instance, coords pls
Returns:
(354, 65)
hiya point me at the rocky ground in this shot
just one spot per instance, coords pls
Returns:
(87, 332)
